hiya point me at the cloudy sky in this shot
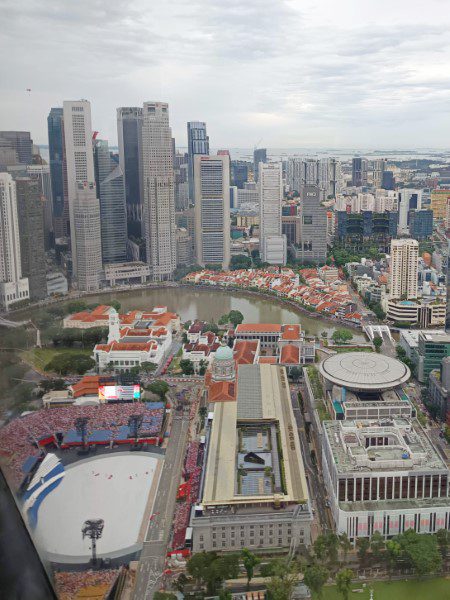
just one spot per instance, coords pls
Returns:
(277, 73)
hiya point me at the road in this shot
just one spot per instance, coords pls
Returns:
(151, 564)
(315, 481)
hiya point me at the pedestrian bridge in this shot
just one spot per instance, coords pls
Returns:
(7, 323)
(381, 330)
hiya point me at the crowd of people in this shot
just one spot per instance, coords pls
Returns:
(69, 585)
(192, 474)
(19, 439)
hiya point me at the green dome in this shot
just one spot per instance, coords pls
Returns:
(224, 353)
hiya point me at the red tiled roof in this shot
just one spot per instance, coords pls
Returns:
(257, 328)
(222, 391)
(88, 386)
(270, 360)
(245, 351)
(290, 355)
(290, 332)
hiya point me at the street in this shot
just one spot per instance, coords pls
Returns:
(151, 564)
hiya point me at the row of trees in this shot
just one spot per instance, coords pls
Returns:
(69, 362)
(84, 337)
(235, 317)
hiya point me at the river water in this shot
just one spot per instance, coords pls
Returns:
(207, 305)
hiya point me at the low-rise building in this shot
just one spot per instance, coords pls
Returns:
(432, 348)
(384, 476)
(439, 390)
(126, 273)
(99, 317)
(254, 492)
(202, 349)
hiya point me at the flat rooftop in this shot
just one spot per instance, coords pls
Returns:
(260, 422)
(382, 445)
(364, 371)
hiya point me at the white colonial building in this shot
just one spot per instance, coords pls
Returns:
(131, 346)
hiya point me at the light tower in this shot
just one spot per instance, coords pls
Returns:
(93, 529)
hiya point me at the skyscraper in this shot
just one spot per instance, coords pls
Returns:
(447, 317)
(404, 269)
(129, 135)
(111, 192)
(81, 190)
(324, 172)
(21, 142)
(239, 173)
(272, 243)
(159, 201)
(42, 174)
(198, 143)
(313, 226)
(212, 210)
(259, 156)
(30, 211)
(359, 172)
(55, 125)
(408, 199)
(13, 287)
(378, 167)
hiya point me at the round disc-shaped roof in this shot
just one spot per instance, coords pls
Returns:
(364, 371)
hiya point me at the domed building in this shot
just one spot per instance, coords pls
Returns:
(223, 366)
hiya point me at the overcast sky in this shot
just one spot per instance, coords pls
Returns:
(334, 73)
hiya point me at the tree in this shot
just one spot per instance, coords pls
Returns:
(159, 387)
(223, 319)
(75, 306)
(67, 362)
(326, 547)
(377, 342)
(210, 327)
(235, 317)
(202, 366)
(250, 561)
(344, 582)
(342, 336)
(345, 545)
(393, 553)
(164, 596)
(363, 545)
(315, 577)
(443, 540)
(225, 594)
(320, 547)
(240, 261)
(283, 580)
(324, 334)
(295, 373)
(187, 366)
(421, 550)
(115, 304)
(209, 569)
(148, 367)
(377, 545)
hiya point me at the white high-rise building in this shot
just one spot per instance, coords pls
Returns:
(81, 179)
(272, 243)
(13, 287)
(408, 199)
(212, 209)
(159, 194)
(324, 172)
(88, 250)
(404, 269)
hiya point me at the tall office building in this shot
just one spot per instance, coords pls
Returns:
(30, 212)
(86, 220)
(111, 193)
(439, 199)
(239, 173)
(388, 182)
(129, 135)
(259, 156)
(272, 243)
(408, 199)
(359, 172)
(81, 190)
(212, 210)
(447, 316)
(198, 143)
(313, 227)
(159, 202)
(21, 142)
(404, 269)
(323, 172)
(55, 126)
(13, 287)
(378, 167)
(42, 174)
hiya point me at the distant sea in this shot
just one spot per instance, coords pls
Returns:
(438, 154)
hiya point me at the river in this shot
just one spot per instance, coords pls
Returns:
(206, 305)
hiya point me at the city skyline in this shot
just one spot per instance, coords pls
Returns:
(323, 76)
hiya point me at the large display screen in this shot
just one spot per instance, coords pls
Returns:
(106, 393)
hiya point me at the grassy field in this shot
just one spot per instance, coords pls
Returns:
(39, 357)
(433, 589)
